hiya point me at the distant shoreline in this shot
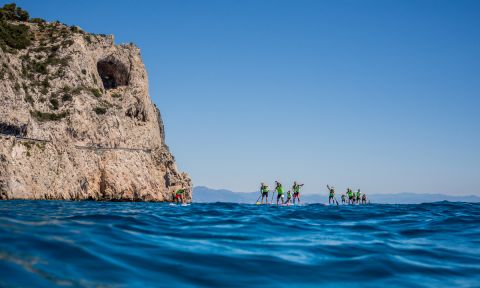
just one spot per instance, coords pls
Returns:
(203, 194)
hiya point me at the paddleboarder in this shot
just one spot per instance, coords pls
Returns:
(289, 198)
(264, 193)
(331, 194)
(296, 191)
(179, 196)
(279, 190)
(351, 199)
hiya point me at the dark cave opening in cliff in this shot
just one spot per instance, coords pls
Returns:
(13, 130)
(113, 73)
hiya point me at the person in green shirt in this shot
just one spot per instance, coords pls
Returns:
(264, 190)
(279, 190)
(331, 194)
(351, 199)
(289, 198)
(296, 191)
(179, 196)
(358, 196)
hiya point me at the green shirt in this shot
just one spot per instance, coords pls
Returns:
(264, 189)
(279, 189)
(180, 191)
(296, 188)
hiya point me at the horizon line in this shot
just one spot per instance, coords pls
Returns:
(375, 193)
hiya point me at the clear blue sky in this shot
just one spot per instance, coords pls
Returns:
(381, 95)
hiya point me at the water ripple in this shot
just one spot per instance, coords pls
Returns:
(92, 244)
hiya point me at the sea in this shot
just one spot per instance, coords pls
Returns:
(107, 244)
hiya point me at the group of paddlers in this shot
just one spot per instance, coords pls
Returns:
(293, 195)
(349, 197)
(280, 193)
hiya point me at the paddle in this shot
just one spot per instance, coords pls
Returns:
(271, 201)
(261, 194)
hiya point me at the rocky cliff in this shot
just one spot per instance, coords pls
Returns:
(76, 119)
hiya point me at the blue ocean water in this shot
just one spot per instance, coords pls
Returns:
(99, 244)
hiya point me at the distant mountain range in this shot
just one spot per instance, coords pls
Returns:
(203, 194)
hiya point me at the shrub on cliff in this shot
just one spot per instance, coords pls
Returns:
(38, 20)
(42, 116)
(88, 39)
(66, 97)
(11, 35)
(28, 98)
(100, 110)
(14, 36)
(54, 103)
(97, 93)
(40, 67)
(10, 12)
(53, 60)
(3, 71)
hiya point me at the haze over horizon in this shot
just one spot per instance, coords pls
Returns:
(324, 192)
(380, 95)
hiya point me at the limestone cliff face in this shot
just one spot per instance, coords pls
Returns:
(93, 130)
